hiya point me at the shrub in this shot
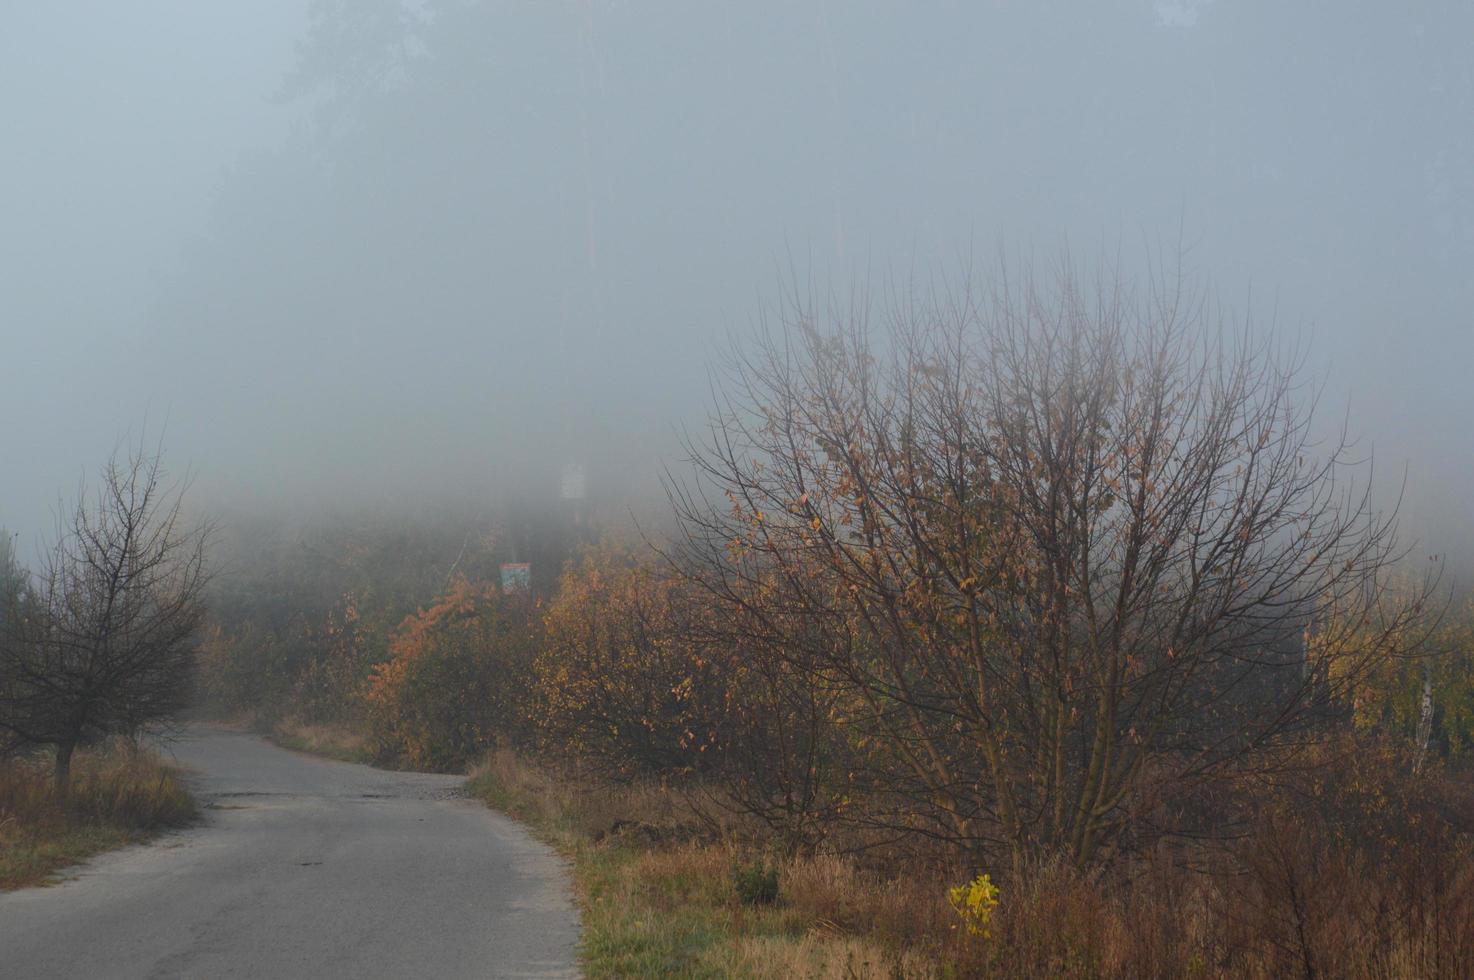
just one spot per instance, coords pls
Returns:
(755, 883)
(639, 679)
(455, 681)
(975, 902)
(626, 689)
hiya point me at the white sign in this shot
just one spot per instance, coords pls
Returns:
(575, 487)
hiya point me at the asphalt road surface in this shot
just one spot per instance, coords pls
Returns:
(304, 868)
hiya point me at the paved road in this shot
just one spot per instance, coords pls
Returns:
(304, 868)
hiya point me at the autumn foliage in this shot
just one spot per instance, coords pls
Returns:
(450, 687)
(639, 680)
(1077, 556)
(627, 683)
(1054, 584)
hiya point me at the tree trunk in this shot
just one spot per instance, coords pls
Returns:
(1425, 718)
(63, 783)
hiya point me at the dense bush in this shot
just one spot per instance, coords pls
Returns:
(637, 679)
(456, 679)
(628, 686)
(329, 687)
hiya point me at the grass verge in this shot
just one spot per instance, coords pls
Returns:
(659, 894)
(323, 740)
(120, 795)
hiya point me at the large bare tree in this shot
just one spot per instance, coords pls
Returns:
(107, 643)
(1078, 551)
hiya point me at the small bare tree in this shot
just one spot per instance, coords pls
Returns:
(108, 645)
(1064, 542)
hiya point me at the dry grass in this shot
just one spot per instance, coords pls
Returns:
(325, 740)
(119, 794)
(656, 883)
(1379, 884)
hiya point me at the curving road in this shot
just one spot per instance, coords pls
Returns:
(305, 868)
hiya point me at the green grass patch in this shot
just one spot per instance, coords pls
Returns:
(32, 859)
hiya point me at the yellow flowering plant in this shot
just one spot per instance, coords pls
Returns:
(975, 902)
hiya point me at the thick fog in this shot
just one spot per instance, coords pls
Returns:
(386, 249)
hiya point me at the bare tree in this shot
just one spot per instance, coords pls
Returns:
(109, 644)
(1062, 541)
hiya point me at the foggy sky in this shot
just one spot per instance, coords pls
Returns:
(386, 250)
